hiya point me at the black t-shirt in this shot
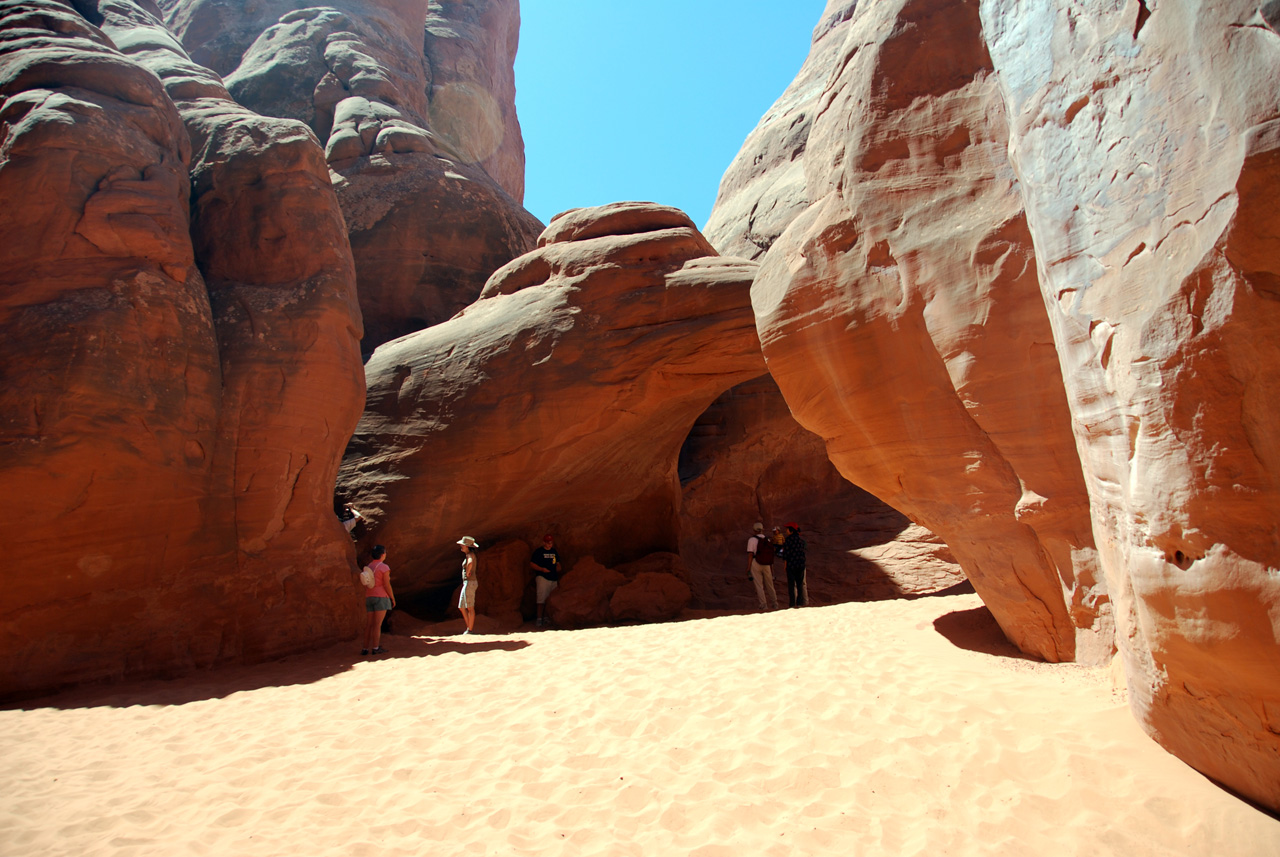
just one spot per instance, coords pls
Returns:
(548, 559)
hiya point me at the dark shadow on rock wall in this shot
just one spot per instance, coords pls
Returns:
(746, 460)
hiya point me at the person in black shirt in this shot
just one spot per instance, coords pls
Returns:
(546, 568)
(793, 554)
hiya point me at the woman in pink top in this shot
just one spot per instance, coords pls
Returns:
(378, 600)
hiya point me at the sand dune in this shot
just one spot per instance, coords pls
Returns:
(892, 728)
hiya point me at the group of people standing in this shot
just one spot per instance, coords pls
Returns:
(762, 551)
(380, 598)
(545, 563)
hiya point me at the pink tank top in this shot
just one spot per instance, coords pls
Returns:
(381, 574)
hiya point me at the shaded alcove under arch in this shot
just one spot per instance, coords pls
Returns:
(746, 460)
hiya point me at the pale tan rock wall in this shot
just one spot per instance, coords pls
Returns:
(1121, 159)
(1145, 140)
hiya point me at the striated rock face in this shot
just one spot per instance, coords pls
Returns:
(271, 243)
(747, 460)
(1147, 140)
(901, 317)
(559, 401)
(183, 429)
(424, 143)
(471, 49)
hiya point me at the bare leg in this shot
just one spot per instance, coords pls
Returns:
(373, 634)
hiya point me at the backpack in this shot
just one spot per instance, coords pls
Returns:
(764, 550)
(367, 577)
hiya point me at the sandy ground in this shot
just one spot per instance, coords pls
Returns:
(890, 728)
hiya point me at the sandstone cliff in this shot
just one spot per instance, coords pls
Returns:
(910, 278)
(1147, 142)
(415, 106)
(1027, 295)
(171, 425)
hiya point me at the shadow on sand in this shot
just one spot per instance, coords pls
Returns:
(306, 668)
(977, 631)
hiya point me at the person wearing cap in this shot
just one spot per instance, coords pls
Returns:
(467, 600)
(545, 563)
(793, 555)
(760, 568)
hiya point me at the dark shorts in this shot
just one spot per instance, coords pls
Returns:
(374, 603)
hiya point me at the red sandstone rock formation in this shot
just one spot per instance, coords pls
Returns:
(425, 148)
(1147, 140)
(172, 438)
(504, 596)
(271, 243)
(559, 401)
(900, 315)
(654, 588)
(582, 599)
(650, 597)
(747, 460)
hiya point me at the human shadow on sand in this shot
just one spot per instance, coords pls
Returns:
(977, 631)
(300, 669)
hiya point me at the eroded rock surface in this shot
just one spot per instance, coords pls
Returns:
(423, 142)
(654, 588)
(1147, 140)
(174, 393)
(559, 401)
(901, 317)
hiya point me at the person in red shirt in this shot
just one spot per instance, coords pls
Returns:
(379, 598)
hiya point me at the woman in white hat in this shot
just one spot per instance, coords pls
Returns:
(467, 601)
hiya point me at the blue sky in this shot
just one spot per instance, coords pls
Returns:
(648, 99)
